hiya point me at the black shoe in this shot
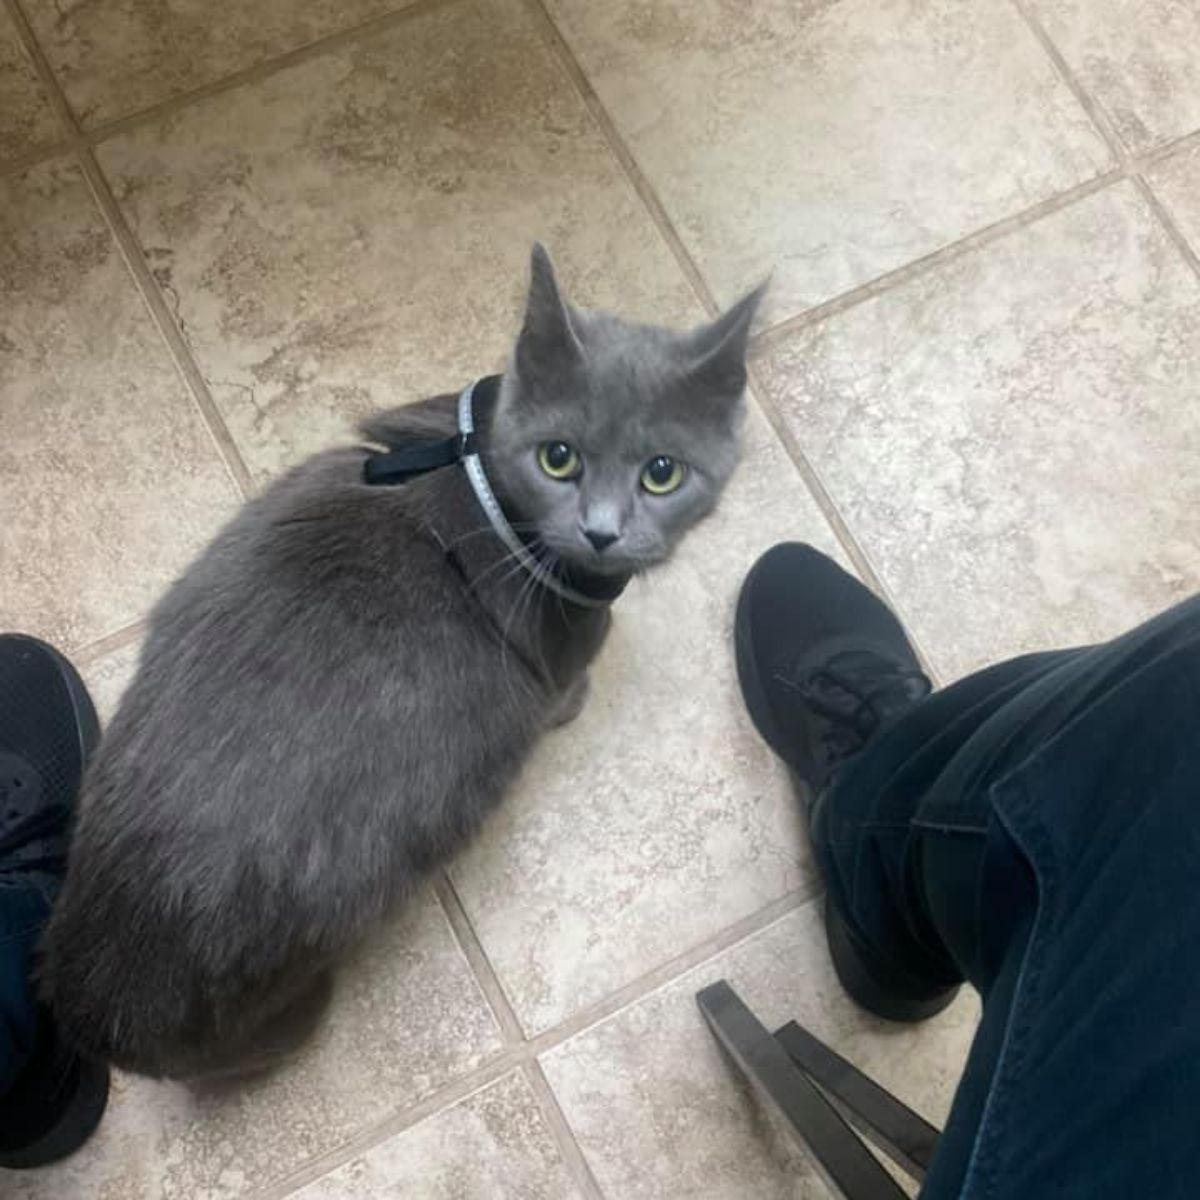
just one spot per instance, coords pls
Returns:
(48, 729)
(824, 666)
(823, 663)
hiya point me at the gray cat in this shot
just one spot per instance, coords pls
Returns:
(333, 697)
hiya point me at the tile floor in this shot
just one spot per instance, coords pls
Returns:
(225, 235)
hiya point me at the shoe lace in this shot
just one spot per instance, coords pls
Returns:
(857, 697)
(25, 842)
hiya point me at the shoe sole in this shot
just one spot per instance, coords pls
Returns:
(77, 1123)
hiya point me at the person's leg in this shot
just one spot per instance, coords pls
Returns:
(951, 830)
(1094, 1082)
(50, 1098)
(827, 673)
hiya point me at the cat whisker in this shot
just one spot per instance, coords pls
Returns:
(528, 587)
(511, 559)
(519, 526)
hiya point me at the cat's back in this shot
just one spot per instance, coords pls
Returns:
(319, 711)
(322, 642)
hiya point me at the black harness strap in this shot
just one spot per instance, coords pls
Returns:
(399, 464)
(417, 456)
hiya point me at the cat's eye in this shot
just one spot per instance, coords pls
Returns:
(559, 460)
(662, 474)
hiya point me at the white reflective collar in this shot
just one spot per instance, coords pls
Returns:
(495, 514)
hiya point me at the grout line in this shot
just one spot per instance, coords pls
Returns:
(829, 509)
(658, 977)
(108, 644)
(259, 71)
(558, 44)
(79, 137)
(193, 379)
(485, 973)
(1133, 165)
(520, 1053)
(49, 80)
(927, 263)
(517, 1056)
(1181, 145)
(367, 1139)
(1128, 168)
(562, 51)
(805, 467)
(561, 1131)
(1167, 221)
(254, 73)
(514, 1035)
(1099, 118)
(131, 253)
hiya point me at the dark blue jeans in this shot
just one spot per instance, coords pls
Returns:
(1035, 830)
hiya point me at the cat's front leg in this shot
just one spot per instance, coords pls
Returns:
(570, 703)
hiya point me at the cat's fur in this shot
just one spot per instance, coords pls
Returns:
(324, 710)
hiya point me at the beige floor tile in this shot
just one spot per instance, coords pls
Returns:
(114, 57)
(109, 480)
(407, 1017)
(355, 232)
(1013, 437)
(658, 818)
(1139, 60)
(108, 677)
(26, 119)
(492, 1146)
(1176, 182)
(660, 1113)
(833, 140)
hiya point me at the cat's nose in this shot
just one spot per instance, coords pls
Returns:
(601, 539)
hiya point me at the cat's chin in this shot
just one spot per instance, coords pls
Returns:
(609, 567)
(614, 569)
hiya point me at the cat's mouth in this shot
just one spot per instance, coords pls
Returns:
(611, 563)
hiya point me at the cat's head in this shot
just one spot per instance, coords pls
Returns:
(611, 439)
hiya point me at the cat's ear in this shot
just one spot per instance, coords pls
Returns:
(548, 337)
(718, 350)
